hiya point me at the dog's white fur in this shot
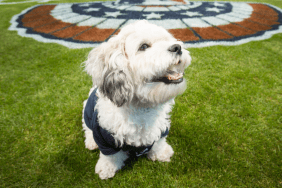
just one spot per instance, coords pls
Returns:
(130, 106)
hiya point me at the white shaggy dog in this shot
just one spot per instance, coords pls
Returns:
(136, 76)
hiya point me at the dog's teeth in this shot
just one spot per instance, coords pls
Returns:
(171, 75)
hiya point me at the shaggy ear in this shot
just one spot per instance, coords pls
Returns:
(107, 65)
(95, 63)
(98, 59)
(117, 86)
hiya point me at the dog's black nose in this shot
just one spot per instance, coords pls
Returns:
(175, 48)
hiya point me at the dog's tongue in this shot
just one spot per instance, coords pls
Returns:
(173, 76)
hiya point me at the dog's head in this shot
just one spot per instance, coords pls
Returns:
(142, 64)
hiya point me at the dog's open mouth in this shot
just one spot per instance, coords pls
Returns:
(170, 77)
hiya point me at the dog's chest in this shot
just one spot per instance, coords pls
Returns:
(145, 117)
(134, 126)
(145, 125)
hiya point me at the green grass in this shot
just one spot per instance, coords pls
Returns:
(226, 128)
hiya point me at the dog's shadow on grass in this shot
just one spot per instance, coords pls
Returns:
(129, 163)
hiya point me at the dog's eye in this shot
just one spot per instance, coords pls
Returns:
(144, 47)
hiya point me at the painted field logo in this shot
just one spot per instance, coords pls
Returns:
(197, 24)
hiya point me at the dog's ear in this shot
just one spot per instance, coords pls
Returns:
(94, 65)
(117, 86)
(107, 64)
(98, 59)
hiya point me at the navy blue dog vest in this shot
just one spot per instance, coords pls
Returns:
(104, 138)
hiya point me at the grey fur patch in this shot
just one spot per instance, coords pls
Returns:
(117, 86)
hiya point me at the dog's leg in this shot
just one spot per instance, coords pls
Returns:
(88, 134)
(108, 165)
(89, 140)
(161, 151)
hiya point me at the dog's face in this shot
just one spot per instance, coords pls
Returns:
(143, 64)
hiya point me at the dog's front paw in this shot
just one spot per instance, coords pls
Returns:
(105, 168)
(108, 165)
(162, 154)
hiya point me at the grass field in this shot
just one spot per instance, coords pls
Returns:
(226, 128)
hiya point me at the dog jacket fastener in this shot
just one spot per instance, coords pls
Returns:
(104, 138)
